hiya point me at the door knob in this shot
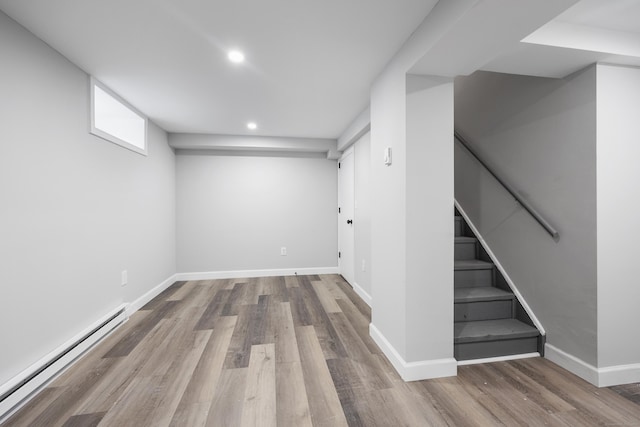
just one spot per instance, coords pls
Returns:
(349, 221)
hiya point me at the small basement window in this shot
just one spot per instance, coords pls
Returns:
(113, 119)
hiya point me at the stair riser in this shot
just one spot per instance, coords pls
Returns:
(481, 350)
(458, 229)
(472, 278)
(466, 250)
(482, 310)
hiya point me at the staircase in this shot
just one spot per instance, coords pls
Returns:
(489, 320)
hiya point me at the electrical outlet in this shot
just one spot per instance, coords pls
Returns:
(283, 251)
(124, 278)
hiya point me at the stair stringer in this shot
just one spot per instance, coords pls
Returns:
(502, 271)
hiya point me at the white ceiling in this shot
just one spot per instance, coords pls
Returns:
(309, 64)
(588, 32)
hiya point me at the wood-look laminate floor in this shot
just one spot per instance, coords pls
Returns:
(294, 351)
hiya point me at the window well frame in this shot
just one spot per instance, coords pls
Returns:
(140, 147)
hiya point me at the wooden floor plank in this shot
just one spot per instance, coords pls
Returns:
(350, 389)
(252, 292)
(299, 310)
(532, 391)
(67, 403)
(214, 310)
(84, 420)
(448, 393)
(587, 399)
(281, 294)
(292, 405)
(92, 358)
(202, 385)
(258, 320)
(365, 364)
(629, 391)
(159, 390)
(232, 306)
(285, 334)
(291, 281)
(296, 351)
(128, 343)
(36, 406)
(191, 414)
(147, 359)
(330, 342)
(323, 399)
(259, 406)
(354, 298)
(489, 393)
(326, 299)
(512, 401)
(359, 323)
(240, 346)
(274, 286)
(329, 281)
(183, 291)
(228, 401)
(163, 296)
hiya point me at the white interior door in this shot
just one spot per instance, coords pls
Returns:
(346, 197)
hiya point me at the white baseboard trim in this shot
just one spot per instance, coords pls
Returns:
(144, 299)
(414, 371)
(210, 275)
(362, 294)
(571, 363)
(600, 377)
(620, 374)
(498, 359)
(26, 384)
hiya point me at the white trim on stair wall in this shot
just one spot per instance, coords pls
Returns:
(494, 259)
(498, 359)
(414, 371)
(600, 377)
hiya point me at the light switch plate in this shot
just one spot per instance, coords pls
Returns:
(387, 156)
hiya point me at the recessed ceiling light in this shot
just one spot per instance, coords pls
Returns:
(236, 56)
(252, 126)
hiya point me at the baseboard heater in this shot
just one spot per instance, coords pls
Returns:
(33, 379)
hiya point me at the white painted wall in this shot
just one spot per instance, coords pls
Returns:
(618, 94)
(399, 335)
(235, 212)
(362, 220)
(429, 218)
(75, 210)
(388, 211)
(356, 129)
(540, 134)
(412, 224)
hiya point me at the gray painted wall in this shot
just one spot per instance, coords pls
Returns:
(234, 212)
(75, 210)
(540, 134)
(618, 92)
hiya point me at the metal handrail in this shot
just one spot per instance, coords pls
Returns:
(534, 213)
